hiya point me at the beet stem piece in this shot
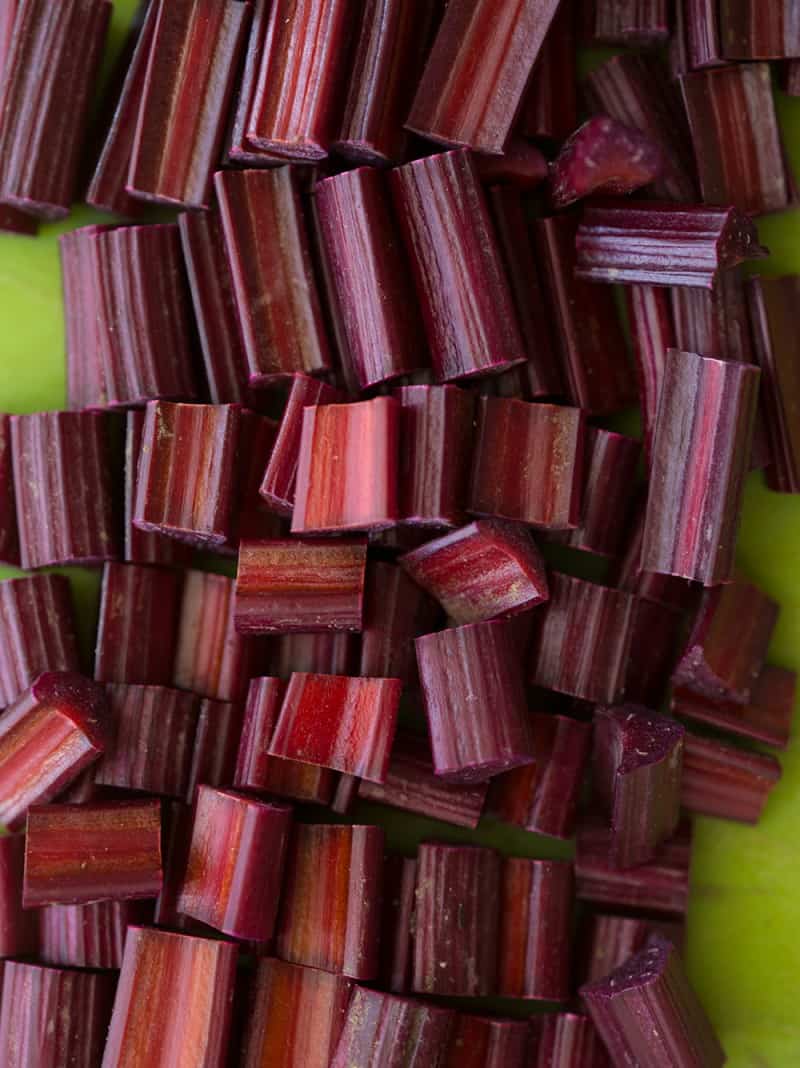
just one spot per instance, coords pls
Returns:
(701, 451)
(603, 156)
(725, 781)
(647, 1013)
(175, 994)
(466, 301)
(549, 107)
(9, 536)
(397, 925)
(330, 907)
(714, 323)
(37, 631)
(748, 30)
(656, 631)
(239, 151)
(631, 22)
(393, 1032)
(653, 332)
(487, 1042)
(610, 940)
(253, 518)
(396, 611)
(88, 936)
(216, 743)
(568, 1040)
(331, 653)
(19, 928)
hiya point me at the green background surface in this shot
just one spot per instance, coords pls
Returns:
(744, 919)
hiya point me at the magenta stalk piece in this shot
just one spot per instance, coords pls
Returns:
(474, 668)
(48, 80)
(88, 936)
(136, 630)
(650, 316)
(184, 101)
(19, 928)
(346, 724)
(546, 491)
(469, 93)
(489, 569)
(239, 150)
(63, 485)
(215, 310)
(175, 994)
(320, 653)
(216, 745)
(603, 156)
(466, 300)
(632, 22)
(582, 640)
(656, 633)
(535, 924)
(568, 1040)
(646, 1012)
(727, 646)
(9, 536)
(412, 786)
(393, 1032)
(701, 451)
(702, 46)
(80, 1002)
(636, 775)
(48, 735)
(725, 781)
(397, 937)
(457, 918)
(487, 1042)
(549, 108)
(396, 611)
(278, 306)
(235, 867)
(543, 797)
(372, 299)
(300, 585)
(37, 631)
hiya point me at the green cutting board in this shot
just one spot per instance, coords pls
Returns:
(744, 918)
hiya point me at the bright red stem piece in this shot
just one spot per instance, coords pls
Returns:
(396, 611)
(603, 156)
(566, 1040)
(88, 936)
(393, 1032)
(653, 333)
(632, 22)
(216, 744)
(37, 631)
(397, 938)
(487, 1042)
(19, 928)
(725, 781)
(609, 484)
(549, 107)
(9, 537)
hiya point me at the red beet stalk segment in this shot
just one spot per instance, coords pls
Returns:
(37, 631)
(751, 31)
(656, 633)
(216, 744)
(48, 80)
(587, 327)
(347, 472)
(278, 307)
(701, 452)
(549, 108)
(53, 1016)
(330, 907)
(713, 322)
(632, 22)
(725, 781)
(253, 518)
(467, 304)
(75, 854)
(378, 326)
(235, 868)
(647, 1013)
(412, 786)
(477, 71)
(582, 640)
(187, 469)
(535, 925)
(175, 994)
(746, 170)
(48, 735)
(9, 537)
(300, 585)
(393, 1032)
(88, 936)
(766, 718)
(457, 920)
(238, 149)
(566, 1040)
(339, 722)
(543, 797)
(650, 316)
(136, 630)
(330, 653)
(660, 886)
(636, 775)
(64, 484)
(475, 701)
(211, 658)
(19, 930)
(636, 91)
(727, 646)
(397, 924)
(603, 156)
(396, 611)
(696, 42)
(185, 99)
(296, 1016)
(609, 940)
(545, 491)
(487, 1042)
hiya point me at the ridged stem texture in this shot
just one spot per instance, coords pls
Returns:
(725, 781)
(392, 1032)
(216, 744)
(37, 631)
(632, 22)
(549, 108)
(568, 1040)
(88, 936)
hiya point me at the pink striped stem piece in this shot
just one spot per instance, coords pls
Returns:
(474, 700)
(609, 940)
(330, 907)
(300, 585)
(239, 150)
(396, 611)
(76, 854)
(393, 1032)
(347, 724)
(235, 868)
(412, 786)
(632, 22)
(88, 936)
(603, 156)
(49, 78)
(63, 483)
(397, 937)
(543, 797)
(549, 108)
(137, 627)
(371, 295)
(653, 334)
(269, 255)
(80, 286)
(701, 451)
(37, 631)
(489, 569)
(466, 301)
(568, 1040)
(725, 781)
(9, 537)
(487, 1042)
(296, 1018)
(175, 994)
(48, 735)
(457, 917)
(185, 98)
(320, 653)
(19, 928)
(216, 744)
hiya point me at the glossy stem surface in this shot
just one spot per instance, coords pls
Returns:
(37, 631)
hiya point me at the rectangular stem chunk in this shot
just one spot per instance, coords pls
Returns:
(216, 743)
(725, 781)
(566, 1040)
(749, 30)
(37, 631)
(88, 936)
(631, 22)
(653, 333)
(487, 1042)
(393, 1032)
